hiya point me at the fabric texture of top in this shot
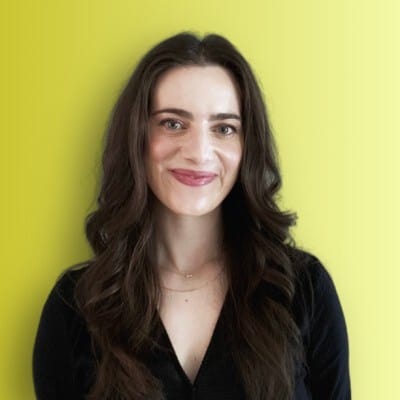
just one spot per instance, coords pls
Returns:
(64, 365)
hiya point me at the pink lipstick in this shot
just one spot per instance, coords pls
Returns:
(193, 178)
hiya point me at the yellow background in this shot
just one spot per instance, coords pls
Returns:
(330, 72)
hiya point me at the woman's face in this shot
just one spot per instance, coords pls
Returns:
(195, 139)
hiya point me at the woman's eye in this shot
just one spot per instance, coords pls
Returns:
(227, 130)
(171, 124)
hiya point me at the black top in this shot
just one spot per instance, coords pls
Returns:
(63, 363)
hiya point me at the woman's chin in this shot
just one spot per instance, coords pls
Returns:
(190, 209)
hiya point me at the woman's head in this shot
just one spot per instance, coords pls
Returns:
(191, 61)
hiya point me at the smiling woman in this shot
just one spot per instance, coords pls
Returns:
(197, 289)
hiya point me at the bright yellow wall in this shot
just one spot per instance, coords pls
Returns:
(330, 71)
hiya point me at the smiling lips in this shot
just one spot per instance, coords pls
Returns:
(193, 178)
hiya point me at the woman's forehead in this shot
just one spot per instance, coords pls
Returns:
(207, 89)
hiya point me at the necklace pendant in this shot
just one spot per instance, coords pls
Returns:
(189, 276)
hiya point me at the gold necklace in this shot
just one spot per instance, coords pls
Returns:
(193, 289)
(187, 275)
(178, 273)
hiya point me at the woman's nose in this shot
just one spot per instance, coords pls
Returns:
(198, 146)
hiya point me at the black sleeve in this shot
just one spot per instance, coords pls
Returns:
(54, 363)
(328, 351)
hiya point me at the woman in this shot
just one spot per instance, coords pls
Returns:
(196, 288)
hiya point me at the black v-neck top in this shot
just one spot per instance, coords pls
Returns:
(64, 366)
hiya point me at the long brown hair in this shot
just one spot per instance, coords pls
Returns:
(118, 292)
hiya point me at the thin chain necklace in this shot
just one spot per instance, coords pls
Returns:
(186, 275)
(199, 287)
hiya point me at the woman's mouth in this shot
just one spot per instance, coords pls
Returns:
(193, 178)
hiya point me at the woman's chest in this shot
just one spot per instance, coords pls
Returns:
(189, 320)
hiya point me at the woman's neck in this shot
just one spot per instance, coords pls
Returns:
(186, 244)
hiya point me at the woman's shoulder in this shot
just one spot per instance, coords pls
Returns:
(320, 317)
(65, 284)
(61, 320)
(62, 344)
(311, 273)
(316, 303)
(61, 299)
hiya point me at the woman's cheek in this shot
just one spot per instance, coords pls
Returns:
(159, 148)
(232, 155)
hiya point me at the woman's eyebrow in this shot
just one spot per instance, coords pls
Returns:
(189, 115)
